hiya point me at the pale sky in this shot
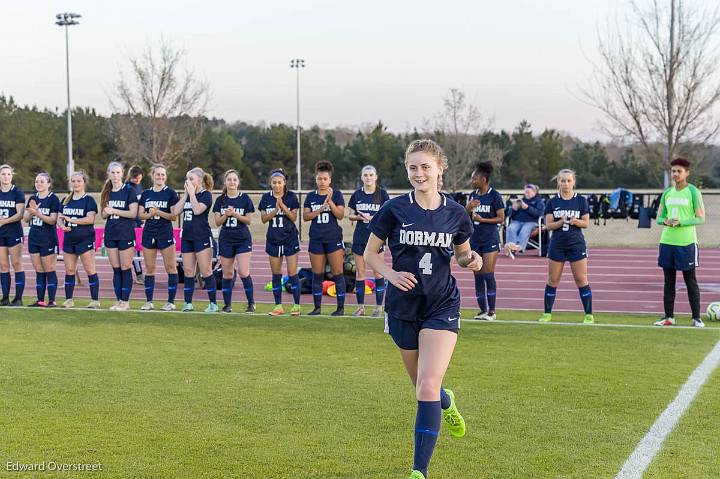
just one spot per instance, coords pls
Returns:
(366, 61)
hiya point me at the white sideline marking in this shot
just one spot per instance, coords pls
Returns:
(648, 447)
(595, 325)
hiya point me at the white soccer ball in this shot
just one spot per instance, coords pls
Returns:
(713, 311)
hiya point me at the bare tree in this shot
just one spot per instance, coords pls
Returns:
(458, 127)
(159, 107)
(657, 80)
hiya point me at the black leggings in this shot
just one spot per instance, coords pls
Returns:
(693, 291)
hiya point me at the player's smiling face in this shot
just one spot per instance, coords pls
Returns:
(278, 184)
(41, 184)
(78, 183)
(159, 177)
(476, 180)
(232, 182)
(6, 176)
(423, 171)
(195, 180)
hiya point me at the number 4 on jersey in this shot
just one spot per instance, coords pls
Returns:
(426, 263)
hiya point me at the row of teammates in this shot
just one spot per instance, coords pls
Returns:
(423, 229)
(159, 205)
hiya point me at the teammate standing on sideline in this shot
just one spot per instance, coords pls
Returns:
(134, 180)
(197, 241)
(566, 214)
(41, 212)
(279, 208)
(232, 212)
(155, 210)
(487, 211)
(423, 230)
(12, 206)
(324, 207)
(681, 209)
(77, 221)
(364, 204)
(119, 207)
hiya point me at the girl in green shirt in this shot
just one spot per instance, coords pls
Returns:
(681, 209)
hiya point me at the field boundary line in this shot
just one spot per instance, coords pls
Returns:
(652, 442)
(581, 324)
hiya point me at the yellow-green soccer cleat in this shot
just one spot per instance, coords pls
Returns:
(453, 419)
(589, 319)
(295, 311)
(278, 310)
(415, 474)
(546, 317)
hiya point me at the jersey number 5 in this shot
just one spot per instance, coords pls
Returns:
(426, 263)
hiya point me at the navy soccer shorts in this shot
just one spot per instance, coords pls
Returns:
(230, 249)
(288, 248)
(320, 247)
(567, 253)
(157, 241)
(406, 334)
(192, 246)
(680, 258)
(121, 245)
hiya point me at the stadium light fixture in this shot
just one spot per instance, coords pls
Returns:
(297, 64)
(66, 20)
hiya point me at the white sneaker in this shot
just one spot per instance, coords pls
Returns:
(665, 322)
(168, 307)
(93, 305)
(147, 306)
(114, 306)
(489, 317)
(698, 323)
(122, 306)
(481, 316)
(69, 303)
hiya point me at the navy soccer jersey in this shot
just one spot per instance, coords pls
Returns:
(324, 228)
(490, 203)
(575, 207)
(41, 232)
(196, 227)
(76, 209)
(233, 229)
(163, 200)
(118, 228)
(421, 242)
(368, 203)
(8, 207)
(280, 228)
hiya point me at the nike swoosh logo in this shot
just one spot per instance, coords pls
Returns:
(452, 319)
(406, 225)
(205, 244)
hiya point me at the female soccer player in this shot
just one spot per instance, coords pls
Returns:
(197, 241)
(41, 212)
(232, 210)
(156, 211)
(565, 215)
(324, 207)
(279, 208)
(119, 208)
(77, 221)
(487, 211)
(422, 309)
(12, 206)
(364, 204)
(681, 209)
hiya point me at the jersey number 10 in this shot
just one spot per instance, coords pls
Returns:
(323, 218)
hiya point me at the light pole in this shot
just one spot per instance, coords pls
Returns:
(298, 63)
(66, 20)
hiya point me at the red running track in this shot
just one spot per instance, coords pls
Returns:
(622, 280)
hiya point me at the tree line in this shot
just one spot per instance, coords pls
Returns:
(34, 140)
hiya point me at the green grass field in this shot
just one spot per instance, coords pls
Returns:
(194, 395)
